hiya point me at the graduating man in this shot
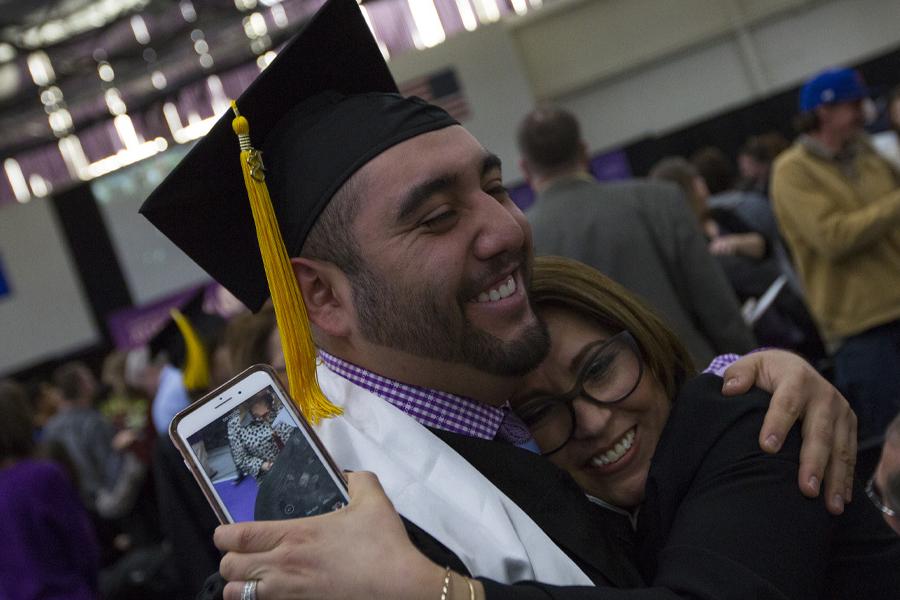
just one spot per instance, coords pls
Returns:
(413, 264)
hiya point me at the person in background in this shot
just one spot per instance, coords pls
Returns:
(887, 142)
(838, 206)
(755, 160)
(641, 234)
(160, 381)
(727, 234)
(725, 195)
(83, 432)
(747, 259)
(49, 549)
(121, 405)
(45, 399)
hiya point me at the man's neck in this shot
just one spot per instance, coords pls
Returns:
(540, 183)
(455, 378)
(831, 141)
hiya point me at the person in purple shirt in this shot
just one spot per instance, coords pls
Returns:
(49, 549)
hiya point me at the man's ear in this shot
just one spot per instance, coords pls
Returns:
(326, 293)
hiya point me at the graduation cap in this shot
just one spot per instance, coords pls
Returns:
(321, 110)
(185, 339)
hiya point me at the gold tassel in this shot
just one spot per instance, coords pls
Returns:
(290, 311)
(195, 371)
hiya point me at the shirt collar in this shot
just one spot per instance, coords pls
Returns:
(431, 408)
(569, 179)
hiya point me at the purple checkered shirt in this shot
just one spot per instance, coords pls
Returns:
(720, 363)
(449, 412)
(431, 408)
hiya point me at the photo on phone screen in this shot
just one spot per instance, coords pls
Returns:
(261, 465)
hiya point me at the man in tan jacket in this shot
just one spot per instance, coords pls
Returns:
(838, 205)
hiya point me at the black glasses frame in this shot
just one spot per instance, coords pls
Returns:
(578, 390)
(875, 496)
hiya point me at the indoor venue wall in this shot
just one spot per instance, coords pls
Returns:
(673, 90)
(633, 69)
(45, 312)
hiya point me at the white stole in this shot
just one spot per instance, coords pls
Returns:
(435, 488)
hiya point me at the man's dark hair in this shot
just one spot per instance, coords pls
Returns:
(69, 378)
(16, 426)
(331, 237)
(549, 138)
(716, 170)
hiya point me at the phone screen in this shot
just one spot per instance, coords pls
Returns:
(261, 464)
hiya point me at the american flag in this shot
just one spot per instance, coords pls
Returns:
(441, 88)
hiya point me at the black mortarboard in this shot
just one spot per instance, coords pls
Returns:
(323, 108)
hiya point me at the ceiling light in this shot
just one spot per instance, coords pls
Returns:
(41, 70)
(105, 71)
(158, 79)
(139, 27)
(8, 51)
(188, 12)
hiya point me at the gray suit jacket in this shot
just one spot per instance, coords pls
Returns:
(643, 235)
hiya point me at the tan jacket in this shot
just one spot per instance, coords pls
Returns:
(844, 232)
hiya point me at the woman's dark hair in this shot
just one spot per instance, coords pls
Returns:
(569, 284)
(683, 174)
(16, 426)
(716, 169)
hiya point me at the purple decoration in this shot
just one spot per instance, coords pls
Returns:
(135, 326)
(611, 166)
(522, 195)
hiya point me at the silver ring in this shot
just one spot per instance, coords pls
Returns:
(249, 591)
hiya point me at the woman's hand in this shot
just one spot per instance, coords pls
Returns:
(361, 551)
(829, 425)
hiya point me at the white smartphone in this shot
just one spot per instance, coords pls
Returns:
(253, 454)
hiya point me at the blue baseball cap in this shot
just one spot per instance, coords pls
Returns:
(831, 87)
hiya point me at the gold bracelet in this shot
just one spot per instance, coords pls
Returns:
(471, 588)
(446, 587)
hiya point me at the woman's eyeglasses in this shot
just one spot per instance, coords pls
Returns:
(610, 371)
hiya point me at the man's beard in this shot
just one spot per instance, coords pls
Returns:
(414, 321)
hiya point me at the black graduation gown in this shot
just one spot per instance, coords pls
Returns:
(723, 519)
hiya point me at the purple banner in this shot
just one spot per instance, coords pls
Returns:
(135, 326)
(4, 284)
